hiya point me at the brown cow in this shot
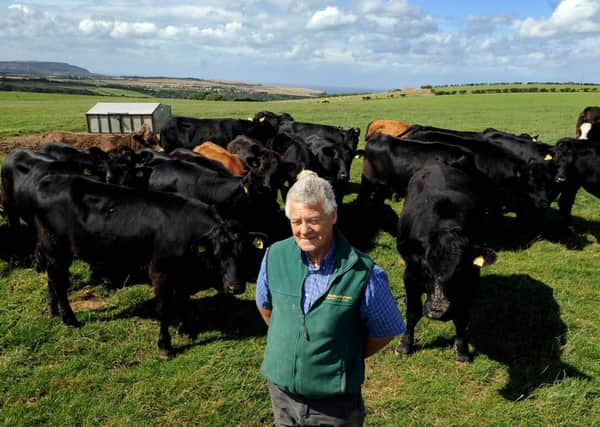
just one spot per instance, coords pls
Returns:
(231, 161)
(105, 141)
(386, 127)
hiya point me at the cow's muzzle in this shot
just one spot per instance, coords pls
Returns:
(437, 305)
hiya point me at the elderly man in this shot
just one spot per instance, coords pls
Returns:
(328, 307)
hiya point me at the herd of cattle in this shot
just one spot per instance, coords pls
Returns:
(206, 204)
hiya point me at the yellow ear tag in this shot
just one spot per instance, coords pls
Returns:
(245, 189)
(548, 157)
(286, 184)
(201, 249)
(262, 119)
(139, 174)
(258, 243)
(479, 261)
(87, 172)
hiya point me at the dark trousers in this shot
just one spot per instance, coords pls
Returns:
(295, 410)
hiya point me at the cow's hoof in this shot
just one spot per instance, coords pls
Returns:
(71, 321)
(51, 312)
(166, 354)
(464, 358)
(402, 350)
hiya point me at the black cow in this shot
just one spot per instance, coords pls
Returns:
(21, 172)
(187, 132)
(329, 157)
(578, 165)
(242, 199)
(390, 162)
(187, 244)
(491, 133)
(249, 150)
(149, 157)
(588, 124)
(426, 133)
(520, 174)
(273, 119)
(116, 166)
(438, 238)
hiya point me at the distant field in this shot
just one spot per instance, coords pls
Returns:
(534, 333)
(167, 87)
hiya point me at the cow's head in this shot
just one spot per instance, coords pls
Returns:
(540, 181)
(121, 166)
(272, 119)
(329, 157)
(227, 247)
(448, 265)
(266, 124)
(565, 158)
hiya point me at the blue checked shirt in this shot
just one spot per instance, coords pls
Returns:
(378, 309)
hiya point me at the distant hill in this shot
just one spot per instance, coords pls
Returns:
(42, 68)
(60, 77)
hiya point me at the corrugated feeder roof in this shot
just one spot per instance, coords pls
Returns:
(124, 108)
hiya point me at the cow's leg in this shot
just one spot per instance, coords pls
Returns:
(414, 312)
(188, 320)
(565, 204)
(461, 345)
(58, 285)
(164, 308)
(51, 256)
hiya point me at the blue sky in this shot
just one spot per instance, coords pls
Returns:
(378, 44)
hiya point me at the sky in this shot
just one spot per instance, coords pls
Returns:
(374, 44)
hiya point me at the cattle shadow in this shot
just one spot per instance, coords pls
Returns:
(17, 246)
(516, 321)
(582, 226)
(361, 225)
(510, 233)
(234, 317)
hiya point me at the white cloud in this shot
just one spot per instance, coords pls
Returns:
(304, 37)
(571, 16)
(117, 29)
(328, 18)
(21, 8)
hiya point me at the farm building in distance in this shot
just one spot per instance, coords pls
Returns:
(125, 117)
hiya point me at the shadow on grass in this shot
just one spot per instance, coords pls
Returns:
(512, 234)
(516, 321)
(234, 317)
(16, 246)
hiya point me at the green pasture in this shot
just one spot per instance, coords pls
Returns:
(534, 334)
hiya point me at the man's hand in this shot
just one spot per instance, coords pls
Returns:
(373, 345)
(266, 314)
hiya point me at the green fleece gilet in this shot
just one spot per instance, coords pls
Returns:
(320, 354)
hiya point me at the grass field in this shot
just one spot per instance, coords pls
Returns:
(534, 329)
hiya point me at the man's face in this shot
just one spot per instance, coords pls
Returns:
(312, 228)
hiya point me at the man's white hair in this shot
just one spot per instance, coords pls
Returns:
(310, 190)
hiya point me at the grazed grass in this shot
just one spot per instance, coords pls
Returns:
(534, 332)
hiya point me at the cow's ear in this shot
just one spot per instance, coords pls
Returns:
(483, 256)
(98, 154)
